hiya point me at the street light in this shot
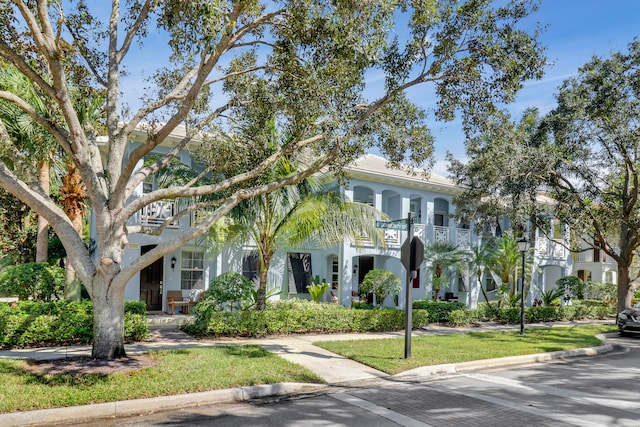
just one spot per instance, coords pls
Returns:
(523, 247)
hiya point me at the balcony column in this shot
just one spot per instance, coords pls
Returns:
(427, 219)
(377, 200)
(348, 193)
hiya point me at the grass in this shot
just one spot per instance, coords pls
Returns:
(387, 354)
(175, 372)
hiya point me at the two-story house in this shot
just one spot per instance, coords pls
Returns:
(370, 181)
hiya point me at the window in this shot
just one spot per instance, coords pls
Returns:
(414, 207)
(334, 272)
(490, 284)
(147, 186)
(438, 220)
(557, 229)
(462, 287)
(192, 270)
(250, 261)
(299, 266)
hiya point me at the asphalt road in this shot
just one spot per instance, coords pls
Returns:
(596, 391)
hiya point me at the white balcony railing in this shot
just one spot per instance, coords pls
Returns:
(542, 246)
(463, 238)
(440, 234)
(157, 213)
(550, 248)
(392, 237)
(558, 249)
(588, 256)
(420, 231)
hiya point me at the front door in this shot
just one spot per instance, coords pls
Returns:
(151, 282)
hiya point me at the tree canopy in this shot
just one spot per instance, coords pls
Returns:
(232, 66)
(584, 156)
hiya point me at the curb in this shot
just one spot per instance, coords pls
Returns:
(500, 362)
(149, 405)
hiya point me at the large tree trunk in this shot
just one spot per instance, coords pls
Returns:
(625, 290)
(42, 239)
(108, 315)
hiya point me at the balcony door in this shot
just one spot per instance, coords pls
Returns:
(151, 282)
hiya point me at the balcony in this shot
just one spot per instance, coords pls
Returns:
(588, 255)
(460, 237)
(157, 213)
(441, 234)
(547, 248)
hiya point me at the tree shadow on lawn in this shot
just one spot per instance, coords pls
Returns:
(73, 371)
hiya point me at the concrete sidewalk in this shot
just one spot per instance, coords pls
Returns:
(334, 369)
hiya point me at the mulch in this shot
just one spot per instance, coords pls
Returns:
(87, 365)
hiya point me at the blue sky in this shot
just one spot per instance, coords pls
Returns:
(577, 30)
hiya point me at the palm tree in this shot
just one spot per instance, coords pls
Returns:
(30, 137)
(506, 260)
(296, 216)
(444, 258)
(33, 139)
(479, 259)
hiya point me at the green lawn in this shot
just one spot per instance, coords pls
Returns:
(175, 372)
(388, 354)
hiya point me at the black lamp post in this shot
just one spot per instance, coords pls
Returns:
(523, 247)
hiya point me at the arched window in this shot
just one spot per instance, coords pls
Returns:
(392, 204)
(363, 195)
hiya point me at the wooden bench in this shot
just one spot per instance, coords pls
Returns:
(175, 299)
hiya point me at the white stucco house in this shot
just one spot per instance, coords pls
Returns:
(344, 266)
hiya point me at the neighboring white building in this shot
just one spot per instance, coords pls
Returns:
(391, 191)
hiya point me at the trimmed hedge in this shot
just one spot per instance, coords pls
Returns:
(592, 310)
(42, 324)
(300, 316)
(438, 310)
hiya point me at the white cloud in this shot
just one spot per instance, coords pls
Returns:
(440, 168)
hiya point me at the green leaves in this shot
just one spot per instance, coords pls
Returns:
(380, 283)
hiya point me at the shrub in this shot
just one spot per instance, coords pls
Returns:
(552, 296)
(135, 307)
(230, 287)
(463, 317)
(136, 327)
(36, 281)
(572, 286)
(380, 283)
(438, 310)
(36, 324)
(601, 291)
(362, 305)
(317, 288)
(598, 308)
(301, 316)
(580, 310)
